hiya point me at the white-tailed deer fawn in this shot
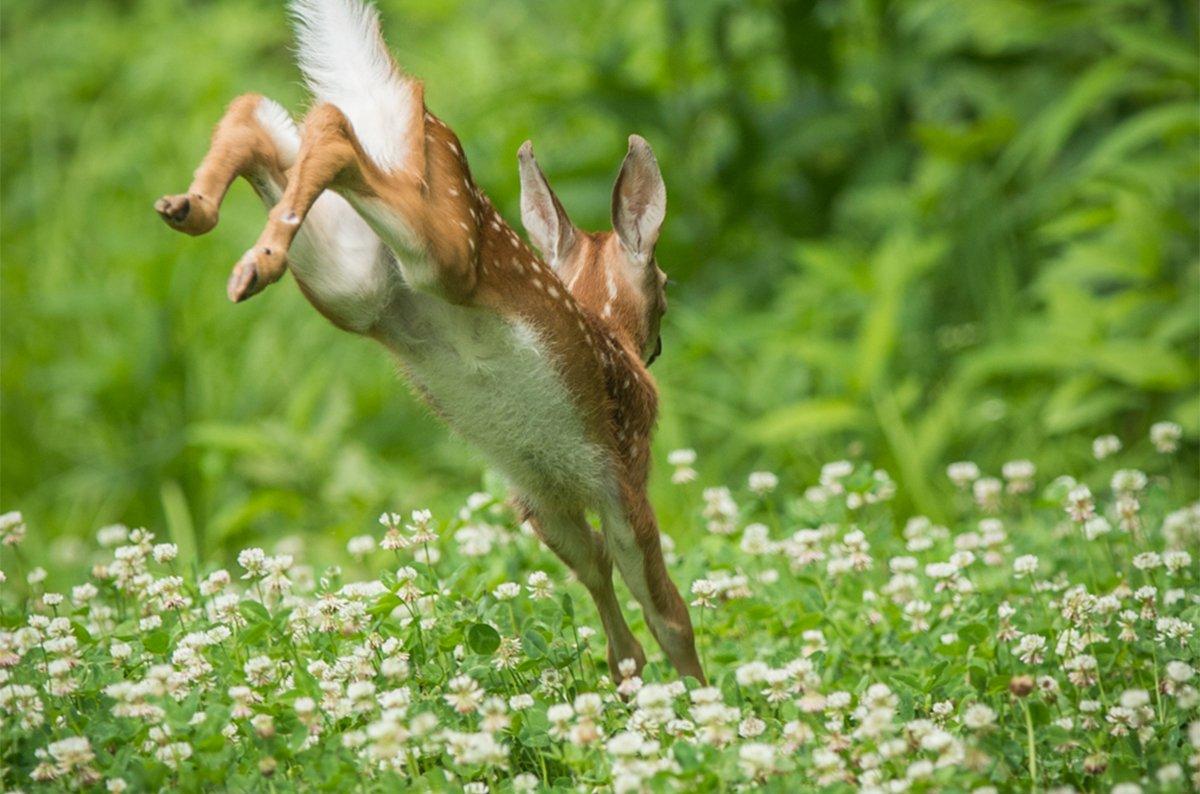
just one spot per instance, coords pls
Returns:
(539, 364)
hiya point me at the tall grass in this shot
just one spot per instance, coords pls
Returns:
(946, 229)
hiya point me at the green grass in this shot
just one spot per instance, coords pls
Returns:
(930, 230)
(1043, 639)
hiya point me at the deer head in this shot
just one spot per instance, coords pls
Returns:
(611, 273)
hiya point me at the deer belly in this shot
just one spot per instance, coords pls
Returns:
(496, 385)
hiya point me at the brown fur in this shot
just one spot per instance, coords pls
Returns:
(479, 261)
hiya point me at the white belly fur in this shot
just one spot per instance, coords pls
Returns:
(494, 383)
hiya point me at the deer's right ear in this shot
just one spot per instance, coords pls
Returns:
(543, 215)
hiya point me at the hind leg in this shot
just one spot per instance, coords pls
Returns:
(339, 263)
(576, 544)
(251, 140)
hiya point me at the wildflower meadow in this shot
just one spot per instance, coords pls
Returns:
(1042, 638)
(927, 454)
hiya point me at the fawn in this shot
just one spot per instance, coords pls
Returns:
(540, 364)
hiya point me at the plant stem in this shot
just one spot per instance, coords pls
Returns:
(1032, 748)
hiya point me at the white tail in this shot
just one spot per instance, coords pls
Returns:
(345, 62)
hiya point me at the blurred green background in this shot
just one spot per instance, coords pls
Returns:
(909, 231)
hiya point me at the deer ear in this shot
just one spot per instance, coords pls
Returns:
(541, 212)
(639, 202)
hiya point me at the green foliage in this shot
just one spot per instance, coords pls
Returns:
(937, 229)
(1019, 648)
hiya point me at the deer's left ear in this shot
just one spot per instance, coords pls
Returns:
(639, 202)
(541, 212)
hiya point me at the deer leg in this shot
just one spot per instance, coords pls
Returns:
(633, 541)
(583, 551)
(339, 263)
(326, 154)
(251, 141)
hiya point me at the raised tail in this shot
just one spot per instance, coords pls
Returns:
(346, 63)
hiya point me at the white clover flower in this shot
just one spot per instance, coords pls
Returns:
(165, 552)
(525, 782)
(762, 482)
(756, 540)
(832, 475)
(979, 717)
(682, 457)
(987, 491)
(752, 673)
(1025, 565)
(506, 591)
(112, 535)
(1096, 527)
(589, 705)
(1134, 698)
(360, 546)
(1165, 436)
(1147, 561)
(1172, 628)
(962, 473)
(756, 759)
(1128, 481)
(464, 694)
(253, 561)
(264, 725)
(705, 592)
(1105, 446)
(539, 585)
(626, 743)
(1031, 648)
(1079, 504)
(682, 460)
(751, 727)
(1019, 474)
(720, 511)
(1176, 560)
(918, 770)
(12, 528)
(1169, 774)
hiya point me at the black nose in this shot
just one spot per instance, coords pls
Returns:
(657, 352)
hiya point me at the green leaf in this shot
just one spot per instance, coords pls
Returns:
(535, 644)
(974, 633)
(156, 642)
(253, 633)
(384, 605)
(82, 635)
(179, 522)
(686, 755)
(254, 612)
(807, 419)
(483, 639)
(568, 606)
